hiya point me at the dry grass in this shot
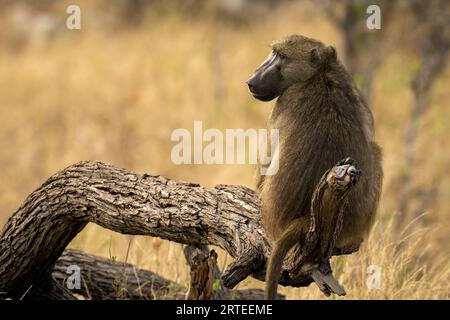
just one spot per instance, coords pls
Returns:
(116, 95)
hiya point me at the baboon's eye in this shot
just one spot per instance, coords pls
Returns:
(315, 55)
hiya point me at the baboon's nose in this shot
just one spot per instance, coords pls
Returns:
(249, 83)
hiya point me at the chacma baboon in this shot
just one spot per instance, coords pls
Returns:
(322, 119)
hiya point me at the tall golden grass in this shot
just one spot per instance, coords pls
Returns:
(116, 95)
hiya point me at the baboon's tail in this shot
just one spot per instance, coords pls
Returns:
(280, 249)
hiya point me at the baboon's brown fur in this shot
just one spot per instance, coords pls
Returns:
(322, 119)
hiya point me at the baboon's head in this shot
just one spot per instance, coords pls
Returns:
(294, 59)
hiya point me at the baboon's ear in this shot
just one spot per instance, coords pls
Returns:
(314, 56)
(332, 55)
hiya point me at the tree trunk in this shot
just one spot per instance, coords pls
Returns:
(140, 204)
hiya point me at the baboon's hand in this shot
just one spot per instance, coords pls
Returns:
(344, 175)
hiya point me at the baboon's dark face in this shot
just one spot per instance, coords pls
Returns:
(266, 83)
(294, 59)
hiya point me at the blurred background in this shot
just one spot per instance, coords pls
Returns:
(116, 89)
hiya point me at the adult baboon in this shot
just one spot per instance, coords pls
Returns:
(322, 119)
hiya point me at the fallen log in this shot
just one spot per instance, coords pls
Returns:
(103, 279)
(37, 234)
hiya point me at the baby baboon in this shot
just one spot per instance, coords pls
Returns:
(322, 119)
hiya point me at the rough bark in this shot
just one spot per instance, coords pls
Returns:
(103, 278)
(213, 279)
(202, 275)
(140, 204)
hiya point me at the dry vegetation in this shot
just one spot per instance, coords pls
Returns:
(116, 93)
